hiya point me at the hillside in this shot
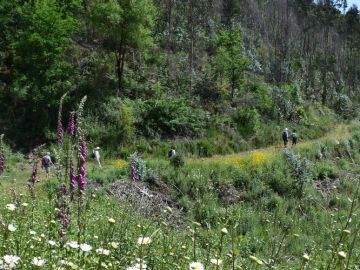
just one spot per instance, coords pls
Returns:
(256, 100)
(234, 71)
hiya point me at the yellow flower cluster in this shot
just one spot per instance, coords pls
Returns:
(120, 164)
(243, 161)
(257, 158)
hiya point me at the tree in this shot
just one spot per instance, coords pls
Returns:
(123, 25)
(229, 62)
(37, 35)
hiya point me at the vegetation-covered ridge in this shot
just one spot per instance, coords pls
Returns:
(217, 73)
(290, 209)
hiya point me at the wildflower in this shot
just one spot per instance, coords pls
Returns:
(2, 155)
(33, 178)
(71, 125)
(51, 243)
(102, 251)
(133, 173)
(37, 261)
(256, 260)
(11, 207)
(68, 263)
(85, 247)
(143, 241)
(81, 178)
(114, 244)
(141, 266)
(306, 257)
(73, 244)
(342, 254)
(72, 179)
(111, 221)
(132, 268)
(217, 262)
(60, 133)
(11, 228)
(60, 130)
(10, 261)
(224, 231)
(196, 266)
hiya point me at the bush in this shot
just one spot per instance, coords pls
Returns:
(326, 169)
(299, 169)
(205, 148)
(170, 118)
(177, 161)
(115, 124)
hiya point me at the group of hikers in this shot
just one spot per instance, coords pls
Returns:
(285, 137)
(47, 162)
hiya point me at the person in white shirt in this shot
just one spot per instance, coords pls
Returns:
(96, 155)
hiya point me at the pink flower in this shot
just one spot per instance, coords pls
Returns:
(33, 178)
(133, 173)
(71, 125)
(81, 178)
(60, 133)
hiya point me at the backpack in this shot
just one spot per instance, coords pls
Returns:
(45, 161)
(170, 153)
(93, 154)
(285, 135)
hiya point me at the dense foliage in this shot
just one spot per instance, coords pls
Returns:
(164, 69)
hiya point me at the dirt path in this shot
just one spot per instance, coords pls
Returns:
(339, 132)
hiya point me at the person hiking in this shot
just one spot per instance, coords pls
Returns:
(172, 153)
(294, 137)
(96, 155)
(46, 164)
(285, 137)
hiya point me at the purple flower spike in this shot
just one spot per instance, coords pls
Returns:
(60, 134)
(64, 189)
(82, 169)
(72, 176)
(133, 174)
(71, 125)
(33, 178)
(2, 163)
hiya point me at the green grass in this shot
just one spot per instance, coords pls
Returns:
(269, 220)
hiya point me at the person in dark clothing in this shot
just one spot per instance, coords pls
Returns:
(294, 137)
(285, 137)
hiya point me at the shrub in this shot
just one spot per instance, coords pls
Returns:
(299, 169)
(137, 168)
(170, 118)
(326, 169)
(177, 161)
(205, 148)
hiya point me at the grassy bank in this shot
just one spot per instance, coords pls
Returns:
(286, 210)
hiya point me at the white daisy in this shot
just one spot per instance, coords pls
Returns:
(217, 262)
(73, 244)
(196, 266)
(11, 207)
(102, 251)
(52, 243)
(11, 228)
(85, 247)
(10, 261)
(143, 241)
(37, 261)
